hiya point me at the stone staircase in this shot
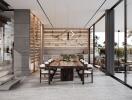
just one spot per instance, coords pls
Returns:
(7, 80)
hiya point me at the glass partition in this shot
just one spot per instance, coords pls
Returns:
(119, 42)
(6, 41)
(100, 44)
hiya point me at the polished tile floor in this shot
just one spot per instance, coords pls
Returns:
(103, 88)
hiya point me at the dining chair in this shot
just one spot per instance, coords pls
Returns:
(89, 70)
(43, 70)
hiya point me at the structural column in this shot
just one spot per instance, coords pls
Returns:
(109, 41)
(21, 42)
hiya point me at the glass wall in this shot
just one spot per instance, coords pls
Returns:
(129, 42)
(6, 41)
(123, 66)
(119, 41)
(100, 44)
(123, 43)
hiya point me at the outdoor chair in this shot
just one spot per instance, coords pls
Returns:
(88, 70)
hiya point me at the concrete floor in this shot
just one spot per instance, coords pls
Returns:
(103, 88)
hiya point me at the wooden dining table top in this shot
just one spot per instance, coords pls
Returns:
(65, 64)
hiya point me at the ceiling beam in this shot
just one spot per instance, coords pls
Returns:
(66, 29)
(45, 13)
(95, 13)
(84, 31)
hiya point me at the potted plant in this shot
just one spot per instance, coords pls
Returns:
(73, 57)
(65, 57)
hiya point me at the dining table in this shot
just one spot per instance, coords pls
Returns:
(67, 70)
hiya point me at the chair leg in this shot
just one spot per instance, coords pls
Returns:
(92, 77)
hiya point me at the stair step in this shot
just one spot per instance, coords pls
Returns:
(6, 78)
(9, 85)
(3, 73)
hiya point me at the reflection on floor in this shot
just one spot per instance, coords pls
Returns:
(121, 77)
(129, 78)
(103, 88)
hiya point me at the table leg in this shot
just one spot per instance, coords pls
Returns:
(67, 74)
(83, 76)
(40, 75)
(49, 79)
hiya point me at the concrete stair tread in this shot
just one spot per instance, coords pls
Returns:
(9, 85)
(6, 78)
(3, 73)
